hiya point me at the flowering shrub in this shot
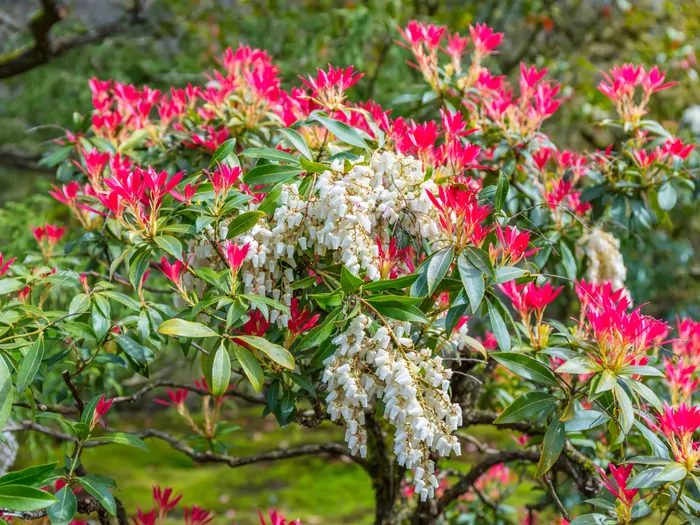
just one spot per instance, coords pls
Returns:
(328, 261)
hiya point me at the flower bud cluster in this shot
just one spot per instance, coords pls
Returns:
(413, 386)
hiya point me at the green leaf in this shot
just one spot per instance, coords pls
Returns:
(170, 245)
(270, 174)
(606, 382)
(100, 492)
(89, 410)
(552, 445)
(5, 393)
(348, 282)
(499, 327)
(30, 364)
(56, 157)
(34, 475)
(138, 265)
(586, 420)
(578, 365)
(270, 154)
(626, 416)
(220, 371)
(480, 259)
(667, 196)
(136, 351)
(645, 479)
(10, 285)
(251, 367)
(342, 131)
(671, 473)
(319, 333)
(244, 222)
(501, 191)
(123, 438)
(567, 259)
(182, 328)
(63, 511)
(400, 312)
(592, 519)
(222, 152)
(432, 271)
(297, 141)
(278, 354)
(313, 167)
(527, 367)
(473, 281)
(23, 499)
(526, 406)
(506, 274)
(400, 283)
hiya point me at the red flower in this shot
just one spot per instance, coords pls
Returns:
(484, 39)
(276, 519)
(459, 211)
(197, 516)
(223, 178)
(256, 324)
(529, 298)
(145, 519)
(67, 194)
(618, 485)
(5, 265)
(328, 88)
(300, 321)
(173, 271)
(235, 255)
(177, 399)
(595, 295)
(163, 499)
(512, 245)
(103, 406)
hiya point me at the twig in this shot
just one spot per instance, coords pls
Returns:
(555, 497)
(79, 403)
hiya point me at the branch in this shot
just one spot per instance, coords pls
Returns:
(85, 506)
(20, 160)
(79, 403)
(133, 398)
(333, 449)
(44, 48)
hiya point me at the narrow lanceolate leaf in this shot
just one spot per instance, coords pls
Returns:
(244, 222)
(480, 259)
(220, 371)
(123, 438)
(319, 333)
(29, 476)
(222, 152)
(499, 327)
(170, 245)
(182, 328)
(578, 365)
(526, 406)
(342, 131)
(63, 511)
(626, 416)
(527, 367)
(270, 174)
(432, 271)
(276, 353)
(400, 312)
(10, 285)
(251, 367)
(5, 393)
(297, 141)
(270, 154)
(21, 498)
(592, 519)
(552, 445)
(30, 364)
(473, 281)
(506, 274)
(349, 283)
(501, 191)
(100, 492)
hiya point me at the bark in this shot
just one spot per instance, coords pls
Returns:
(386, 474)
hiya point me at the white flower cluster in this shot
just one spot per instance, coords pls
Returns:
(413, 385)
(605, 261)
(343, 215)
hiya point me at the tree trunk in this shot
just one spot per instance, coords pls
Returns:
(385, 473)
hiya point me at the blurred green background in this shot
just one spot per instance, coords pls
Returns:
(174, 41)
